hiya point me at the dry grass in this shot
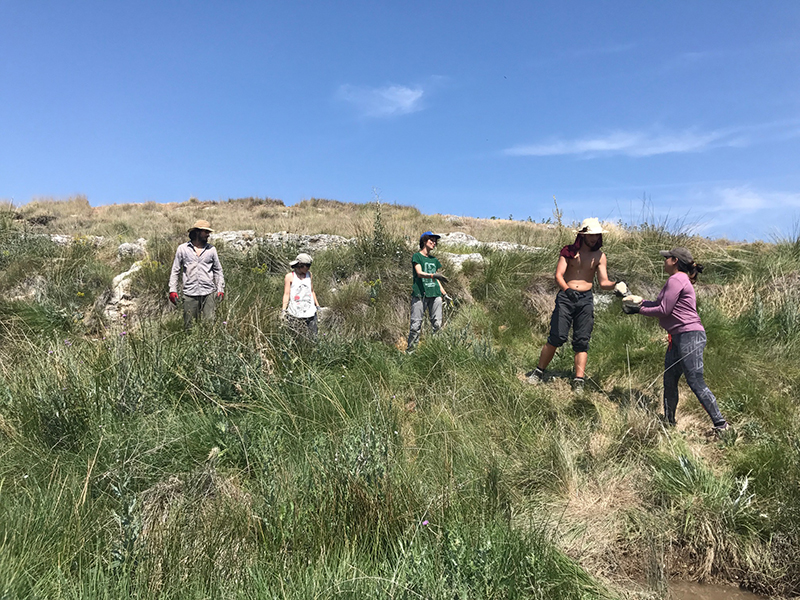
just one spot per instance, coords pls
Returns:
(593, 522)
(193, 524)
(74, 216)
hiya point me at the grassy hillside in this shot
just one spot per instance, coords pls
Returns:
(140, 461)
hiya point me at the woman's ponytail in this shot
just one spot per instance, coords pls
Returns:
(692, 270)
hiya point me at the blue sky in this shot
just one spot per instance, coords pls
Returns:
(472, 108)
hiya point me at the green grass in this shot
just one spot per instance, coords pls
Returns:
(237, 462)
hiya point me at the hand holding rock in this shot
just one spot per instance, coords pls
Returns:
(621, 289)
(631, 304)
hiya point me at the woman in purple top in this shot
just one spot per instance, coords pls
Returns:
(676, 310)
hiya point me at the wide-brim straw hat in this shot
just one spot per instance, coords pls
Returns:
(201, 224)
(590, 226)
(302, 259)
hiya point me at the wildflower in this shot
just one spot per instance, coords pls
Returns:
(121, 333)
(425, 522)
(50, 352)
(67, 343)
(224, 322)
(124, 315)
(80, 294)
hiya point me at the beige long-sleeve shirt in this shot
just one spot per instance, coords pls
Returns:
(201, 274)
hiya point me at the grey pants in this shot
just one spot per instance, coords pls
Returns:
(198, 307)
(303, 326)
(418, 308)
(685, 357)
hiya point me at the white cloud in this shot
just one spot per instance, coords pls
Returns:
(387, 101)
(629, 143)
(650, 143)
(740, 212)
(745, 200)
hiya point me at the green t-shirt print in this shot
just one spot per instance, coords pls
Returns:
(425, 288)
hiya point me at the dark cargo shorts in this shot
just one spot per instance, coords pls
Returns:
(577, 313)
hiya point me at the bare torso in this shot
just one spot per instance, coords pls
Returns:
(581, 270)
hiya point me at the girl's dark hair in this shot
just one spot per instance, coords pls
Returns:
(424, 239)
(692, 270)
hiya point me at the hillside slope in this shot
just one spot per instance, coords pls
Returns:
(233, 461)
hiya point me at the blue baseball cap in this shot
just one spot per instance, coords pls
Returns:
(430, 234)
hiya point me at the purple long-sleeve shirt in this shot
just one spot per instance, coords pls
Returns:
(676, 306)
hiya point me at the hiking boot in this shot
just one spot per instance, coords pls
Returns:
(535, 377)
(578, 385)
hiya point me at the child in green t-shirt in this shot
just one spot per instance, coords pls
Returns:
(427, 290)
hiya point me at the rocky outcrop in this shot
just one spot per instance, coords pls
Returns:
(66, 240)
(458, 238)
(243, 240)
(458, 260)
(32, 289)
(137, 249)
(239, 240)
(121, 301)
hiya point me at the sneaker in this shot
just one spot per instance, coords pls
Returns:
(535, 377)
(578, 385)
(721, 430)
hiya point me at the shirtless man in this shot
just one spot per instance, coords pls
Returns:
(575, 271)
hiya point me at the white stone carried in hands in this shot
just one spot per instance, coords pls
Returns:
(621, 289)
(632, 300)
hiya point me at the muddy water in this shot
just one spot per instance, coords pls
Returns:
(682, 590)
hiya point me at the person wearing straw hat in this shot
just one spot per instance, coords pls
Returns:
(197, 264)
(299, 307)
(578, 263)
(676, 311)
(427, 290)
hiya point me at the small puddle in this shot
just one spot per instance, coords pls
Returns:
(683, 590)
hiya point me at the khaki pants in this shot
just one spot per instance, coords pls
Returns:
(198, 307)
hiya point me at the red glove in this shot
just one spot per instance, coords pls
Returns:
(220, 296)
(173, 297)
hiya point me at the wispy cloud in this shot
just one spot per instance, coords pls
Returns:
(745, 200)
(698, 57)
(651, 143)
(382, 102)
(630, 143)
(742, 212)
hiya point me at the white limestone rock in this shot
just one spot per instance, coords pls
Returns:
(137, 249)
(458, 260)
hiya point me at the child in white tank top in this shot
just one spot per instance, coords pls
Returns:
(299, 300)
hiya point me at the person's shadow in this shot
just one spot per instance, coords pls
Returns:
(633, 397)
